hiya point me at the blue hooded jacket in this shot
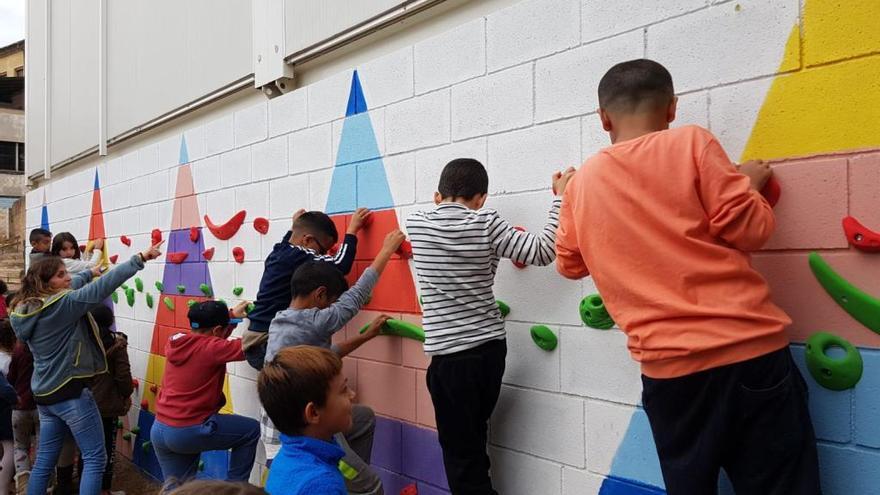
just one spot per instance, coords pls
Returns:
(61, 333)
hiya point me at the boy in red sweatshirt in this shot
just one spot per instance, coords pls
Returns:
(187, 410)
(665, 222)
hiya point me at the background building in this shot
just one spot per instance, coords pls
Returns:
(12, 161)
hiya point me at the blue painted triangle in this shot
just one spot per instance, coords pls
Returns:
(356, 101)
(97, 184)
(636, 458)
(44, 218)
(184, 154)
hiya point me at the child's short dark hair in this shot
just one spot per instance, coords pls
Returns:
(296, 376)
(635, 84)
(58, 244)
(3, 288)
(7, 336)
(38, 234)
(316, 222)
(313, 274)
(463, 178)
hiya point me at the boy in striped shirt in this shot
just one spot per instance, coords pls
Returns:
(456, 249)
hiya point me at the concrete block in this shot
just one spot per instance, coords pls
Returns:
(526, 159)
(867, 405)
(418, 122)
(831, 411)
(597, 364)
(557, 303)
(269, 158)
(148, 215)
(607, 425)
(206, 174)
(440, 61)
(364, 137)
(147, 162)
(388, 389)
(248, 275)
(693, 109)
(848, 470)
(288, 194)
(245, 400)
(515, 473)
(319, 189)
(401, 173)
(385, 349)
(169, 152)
(288, 112)
(580, 482)
(159, 185)
(734, 111)
(566, 84)
(113, 173)
(750, 36)
(529, 365)
(529, 30)
(255, 199)
(220, 207)
(544, 424)
(195, 143)
(388, 78)
(430, 162)
(494, 103)
(816, 189)
(602, 19)
(310, 149)
(834, 32)
(219, 136)
(328, 98)
(864, 189)
(424, 405)
(422, 456)
(235, 167)
(251, 124)
(413, 351)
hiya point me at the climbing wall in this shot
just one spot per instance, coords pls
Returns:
(795, 82)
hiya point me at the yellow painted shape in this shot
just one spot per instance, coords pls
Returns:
(227, 409)
(826, 108)
(155, 372)
(840, 29)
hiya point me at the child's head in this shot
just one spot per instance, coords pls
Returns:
(304, 392)
(210, 317)
(7, 336)
(3, 288)
(40, 240)
(64, 245)
(465, 181)
(217, 487)
(317, 285)
(314, 230)
(636, 97)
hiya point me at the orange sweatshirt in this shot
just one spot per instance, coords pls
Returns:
(665, 223)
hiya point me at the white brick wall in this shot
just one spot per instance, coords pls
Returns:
(529, 30)
(287, 113)
(601, 19)
(497, 102)
(418, 123)
(310, 149)
(250, 125)
(451, 57)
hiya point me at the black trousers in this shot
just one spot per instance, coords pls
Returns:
(748, 418)
(464, 388)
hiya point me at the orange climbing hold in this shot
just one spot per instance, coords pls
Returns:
(156, 236)
(194, 234)
(177, 257)
(517, 263)
(261, 225)
(238, 254)
(405, 250)
(228, 229)
(208, 253)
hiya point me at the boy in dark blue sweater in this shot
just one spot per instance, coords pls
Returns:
(310, 237)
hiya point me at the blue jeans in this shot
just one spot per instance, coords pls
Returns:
(178, 447)
(80, 417)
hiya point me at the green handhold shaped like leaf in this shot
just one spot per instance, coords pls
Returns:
(181, 289)
(139, 284)
(190, 303)
(129, 296)
(206, 290)
(168, 303)
(149, 300)
(238, 290)
(160, 286)
(115, 297)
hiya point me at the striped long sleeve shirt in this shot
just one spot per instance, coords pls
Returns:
(456, 252)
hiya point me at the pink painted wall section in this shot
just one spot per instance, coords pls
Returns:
(864, 189)
(390, 390)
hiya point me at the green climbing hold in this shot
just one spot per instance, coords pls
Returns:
(201, 465)
(181, 289)
(594, 314)
(115, 297)
(400, 328)
(168, 303)
(190, 303)
(146, 446)
(206, 289)
(861, 306)
(149, 300)
(504, 308)
(160, 286)
(119, 423)
(250, 307)
(544, 337)
(833, 373)
(139, 284)
(420, 300)
(124, 287)
(238, 290)
(135, 429)
(129, 296)
(126, 436)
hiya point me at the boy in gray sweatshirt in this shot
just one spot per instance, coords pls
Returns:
(320, 307)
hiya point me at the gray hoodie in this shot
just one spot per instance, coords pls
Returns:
(61, 333)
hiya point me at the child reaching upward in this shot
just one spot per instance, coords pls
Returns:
(64, 245)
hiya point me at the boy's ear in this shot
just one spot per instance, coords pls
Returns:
(481, 200)
(437, 197)
(311, 414)
(606, 120)
(671, 109)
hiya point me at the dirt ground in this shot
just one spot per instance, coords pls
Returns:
(130, 480)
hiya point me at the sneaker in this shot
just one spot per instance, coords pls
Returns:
(21, 482)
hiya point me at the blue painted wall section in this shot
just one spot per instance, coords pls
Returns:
(359, 177)
(44, 215)
(404, 454)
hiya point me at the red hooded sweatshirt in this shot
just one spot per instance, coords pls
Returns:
(195, 367)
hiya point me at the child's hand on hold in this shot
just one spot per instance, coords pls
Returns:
(560, 180)
(153, 252)
(240, 309)
(393, 241)
(97, 270)
(358, 219)
(376, 326)
(758, 172)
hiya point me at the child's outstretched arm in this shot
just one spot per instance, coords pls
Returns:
(351, 301)
(345, 348)
(525, 247)
(344, 258)
(736, 211)
(84, 298)
(569, 260)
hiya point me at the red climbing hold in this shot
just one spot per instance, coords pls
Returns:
(410, 489)
(194, 234)
(261, 225)
(145, 405)
(238, 254)
(82, 248)
(156, 236)
(405, 249)
(114, 258)
(125, 240)
(177, 257)
(860, 237)
(135, 383)
(517, 263)
(154, 388)
(208, 253)
(772, 191)
(228, 229)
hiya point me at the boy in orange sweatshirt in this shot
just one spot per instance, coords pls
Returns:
(664, 223)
